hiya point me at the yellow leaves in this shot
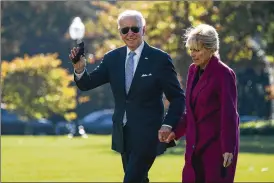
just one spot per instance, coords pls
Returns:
(83, 99)
(61, 75)
(4, 69)
(172, 38)
(190, 18)
(108, 45)
(90, 28)
(38, 115)
(51, 98)
(11, 106)
(231, 17)
(270, 58)
(69, 91)
(197, 9)
(215, 17)
(259, 28)
(162, 25)
(172, 25)
(42, 100)
(229, 39)
(36, 62)
(68, 97)
(102, 4)
(244, 53)
(139, 6)
(70, 116)
(36, 86)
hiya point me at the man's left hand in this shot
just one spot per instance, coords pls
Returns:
(163, 133)
(227, 159)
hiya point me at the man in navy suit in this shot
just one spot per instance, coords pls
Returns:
(139, 75)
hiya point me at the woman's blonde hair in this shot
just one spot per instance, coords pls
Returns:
(201, 36)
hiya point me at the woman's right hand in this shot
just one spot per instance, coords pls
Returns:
(81, 64)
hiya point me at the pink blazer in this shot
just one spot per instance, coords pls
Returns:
(211, 128)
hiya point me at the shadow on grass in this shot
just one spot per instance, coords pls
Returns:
(248, 144)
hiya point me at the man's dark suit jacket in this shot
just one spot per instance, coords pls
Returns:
(154, 76)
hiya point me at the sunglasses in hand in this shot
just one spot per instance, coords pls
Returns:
(133, 29)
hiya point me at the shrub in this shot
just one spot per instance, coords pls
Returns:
(257, 128)
(37, 87)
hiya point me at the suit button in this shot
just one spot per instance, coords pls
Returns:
(127, 101)
(193, 147)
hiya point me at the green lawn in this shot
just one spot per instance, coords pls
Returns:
(42, 159)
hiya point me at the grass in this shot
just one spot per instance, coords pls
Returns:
(59, 159)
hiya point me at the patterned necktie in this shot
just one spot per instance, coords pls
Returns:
(129, 70)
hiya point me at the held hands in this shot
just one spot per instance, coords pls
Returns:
(227, 159)
(81, 64)
(165, 134)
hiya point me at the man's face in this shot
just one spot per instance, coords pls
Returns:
(131, 32)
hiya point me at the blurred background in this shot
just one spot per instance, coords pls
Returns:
(51, 131)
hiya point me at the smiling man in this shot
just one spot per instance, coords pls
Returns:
(139, 75)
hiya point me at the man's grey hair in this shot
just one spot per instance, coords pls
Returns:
(132, 13)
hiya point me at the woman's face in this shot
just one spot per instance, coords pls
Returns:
(201, 56)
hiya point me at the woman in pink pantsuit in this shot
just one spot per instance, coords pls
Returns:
(211, 121)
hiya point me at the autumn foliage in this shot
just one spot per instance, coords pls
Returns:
(37, 87)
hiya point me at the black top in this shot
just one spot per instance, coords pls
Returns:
(197, 77)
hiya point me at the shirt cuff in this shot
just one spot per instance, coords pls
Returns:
(78, 76)
(167, 126)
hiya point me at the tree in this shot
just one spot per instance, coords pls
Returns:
(37, 87)
(167, 22)
(42, 28)
(236, 23)
(38, 27)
